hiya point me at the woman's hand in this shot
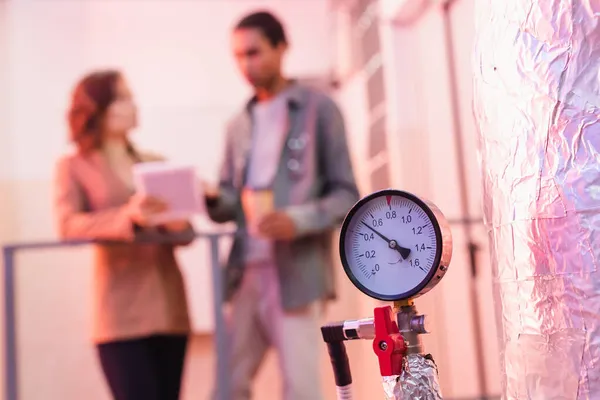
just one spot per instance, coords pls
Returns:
(141, 208)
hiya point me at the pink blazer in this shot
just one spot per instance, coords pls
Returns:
(138, 287)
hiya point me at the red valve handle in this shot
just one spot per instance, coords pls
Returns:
(389, 345)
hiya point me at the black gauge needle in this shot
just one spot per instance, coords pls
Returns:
(404, 252)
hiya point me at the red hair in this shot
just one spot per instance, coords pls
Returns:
(92, 96)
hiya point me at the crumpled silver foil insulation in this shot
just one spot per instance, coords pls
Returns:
(418, 381)
(536, 102)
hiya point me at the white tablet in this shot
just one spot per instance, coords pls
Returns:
(176, 185)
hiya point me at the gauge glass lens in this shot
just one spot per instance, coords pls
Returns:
(390, 245)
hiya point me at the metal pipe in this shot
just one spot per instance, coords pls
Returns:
(419, 377)
(11, 376)
(463, 193)
(221, 332)
(537, 106)
(10, 331)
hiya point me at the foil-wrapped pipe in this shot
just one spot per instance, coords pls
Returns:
(536, 102)
(418, 381)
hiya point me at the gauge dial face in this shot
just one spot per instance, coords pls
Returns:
(390, 245)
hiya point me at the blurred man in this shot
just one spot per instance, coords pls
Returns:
(287, 181)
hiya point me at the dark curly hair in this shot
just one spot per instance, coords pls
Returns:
(267, 23)
(92, 96)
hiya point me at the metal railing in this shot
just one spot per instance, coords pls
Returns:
(11, 366)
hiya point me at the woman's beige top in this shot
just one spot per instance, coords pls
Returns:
(138, 288)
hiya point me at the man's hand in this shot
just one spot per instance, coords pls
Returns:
(277, 225)
(211, 192)
(176, 226)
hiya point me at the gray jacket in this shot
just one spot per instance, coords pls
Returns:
(314, 184)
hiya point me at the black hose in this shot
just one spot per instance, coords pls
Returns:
(333, 335)
(340, 363)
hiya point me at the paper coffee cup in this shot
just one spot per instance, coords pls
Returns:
(256, 204)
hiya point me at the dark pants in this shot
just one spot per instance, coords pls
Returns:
(144, 369)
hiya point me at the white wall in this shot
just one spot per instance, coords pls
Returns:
(176, 56)
(5, 153)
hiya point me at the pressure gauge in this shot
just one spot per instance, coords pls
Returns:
(395, 246)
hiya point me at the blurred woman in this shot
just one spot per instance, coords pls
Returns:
(141, 317)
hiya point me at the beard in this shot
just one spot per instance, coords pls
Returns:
(264, 83)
